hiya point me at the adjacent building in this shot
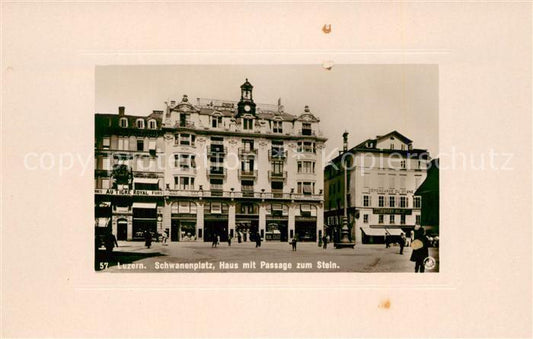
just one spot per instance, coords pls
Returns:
(382, 176)
(211, 168)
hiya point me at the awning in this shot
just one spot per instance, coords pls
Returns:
(152, 181)
(394, 231)
(374, 232)
(104, 204)
(102, 222)
(147, 205)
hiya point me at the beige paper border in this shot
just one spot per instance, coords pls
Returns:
(484, 56)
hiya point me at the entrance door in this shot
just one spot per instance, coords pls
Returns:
(174, 230)
(213, 228)
(122, 230)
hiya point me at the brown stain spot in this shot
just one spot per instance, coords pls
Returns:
(326, 28)
(385, 304)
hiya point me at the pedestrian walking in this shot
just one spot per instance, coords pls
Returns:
(215, 241)
(324, 242)
(229, 240)
(147, 239)
(164, 238)
(257, 240)
(403, 239)
(110, 242)
(218, 240)
(387, 240)
(239, 237)
(293, 243)
(420, 249)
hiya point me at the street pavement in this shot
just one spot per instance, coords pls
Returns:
(200, 257)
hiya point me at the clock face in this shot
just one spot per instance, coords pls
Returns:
(247, 108)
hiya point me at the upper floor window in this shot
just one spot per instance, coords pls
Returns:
(380, 219)
(403, 201)
(417, 219)
(306, 128)
(123, 143)
(392, 201)
(306, 146)
(306, 187)
(184, 183)
(392, 219)
(247, 145)
(417, 202)
(366, 200)
(123, 122)
(306, 167)
(381, 201)
(277, 126)
(247, 123)
(391, 146)
(185, 139)
(140, 145)
(140, 123)
(277, 167)
(152, 124)
(106, 142)
(402, 164)
(216, 121)
(184, 161)
(403, 147)
(365, 218)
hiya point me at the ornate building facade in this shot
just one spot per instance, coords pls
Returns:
(382, 177)
(211, 168)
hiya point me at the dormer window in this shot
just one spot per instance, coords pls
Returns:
(123, 122)
(152, 124)
(277, 126)
(306, 129)
(216, 121)
(140, 123)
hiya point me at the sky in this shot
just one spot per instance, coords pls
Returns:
(364, 100)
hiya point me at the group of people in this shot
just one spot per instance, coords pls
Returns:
(419, 242)
(216, 240)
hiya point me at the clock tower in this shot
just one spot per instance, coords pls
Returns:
(246, 105)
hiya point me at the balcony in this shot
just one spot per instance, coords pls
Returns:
(277, 175)
(277, 154)
(251, 174)
(216, 172)
(216, 150)
(247, 151)
(184, 124)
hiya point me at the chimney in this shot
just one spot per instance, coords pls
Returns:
(121, 110)
(345, 141)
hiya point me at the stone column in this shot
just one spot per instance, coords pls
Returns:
(130, 227)
(200, 221)
(262, 220)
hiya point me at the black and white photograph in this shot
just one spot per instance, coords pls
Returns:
(266, 169)
(258, 169)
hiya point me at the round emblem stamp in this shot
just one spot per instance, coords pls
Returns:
(429, 263)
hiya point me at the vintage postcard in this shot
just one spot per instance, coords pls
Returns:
(202, 176)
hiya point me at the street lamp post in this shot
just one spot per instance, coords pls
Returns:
(345, 240)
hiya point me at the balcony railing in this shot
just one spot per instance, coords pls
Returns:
(277, 175)
(247, 174)
(305, 131)
(249, 151)
(216, 150)
(216, 172)
(185, 124)
(277, 154)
